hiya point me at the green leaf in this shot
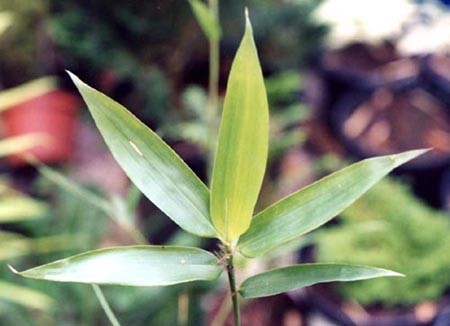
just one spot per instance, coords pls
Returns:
(314, 205)
(133, 266)
(14, 244)
(18, 144)
(6, 19)
(206, 19)
(152, 165)
(242, 147)
(73, 188)
(289, 278)
(18, 208)
(25, 297)
(24, 92)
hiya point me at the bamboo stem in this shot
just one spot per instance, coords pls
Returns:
(234, 292)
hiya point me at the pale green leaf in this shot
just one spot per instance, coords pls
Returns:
(289, 278)
(14, 244)
(206, 19)
(312, 206)
(18, 144)
(18, 208)
(242, 147)
(26, 297)
(152, 165)
(133, 266)
(22, 93)
(6, 19)
(73, 188)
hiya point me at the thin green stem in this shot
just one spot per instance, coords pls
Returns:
(105, 305)
(213, 87)
(233, 290)
(92, 199)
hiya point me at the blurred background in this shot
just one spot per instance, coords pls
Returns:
(346, 80)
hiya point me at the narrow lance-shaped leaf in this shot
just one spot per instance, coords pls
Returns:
(206, 19)
(133, 266)
(242, 148)
(296, 276)
(312, 206)
(152, 165)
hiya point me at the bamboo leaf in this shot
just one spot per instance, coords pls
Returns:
(133, 266)
(152, 165)
(242, 147)
(312, 206)
(205, 18)
(289, 278)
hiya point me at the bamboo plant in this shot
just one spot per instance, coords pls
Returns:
(224, 212)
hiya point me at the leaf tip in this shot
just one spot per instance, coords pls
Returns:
(12, 269)
(77, 81)
(71, 74)
(404, 157)
(248, 24)
(396, 274)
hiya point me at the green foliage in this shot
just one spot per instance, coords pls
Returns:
(206, 19)
(155, 88)
(20, 42)
(116, 35)
(16, 207)
(5, 21)
(238, 171)
(192, 123)
(390, 227)
(287, 33)
(25, 296)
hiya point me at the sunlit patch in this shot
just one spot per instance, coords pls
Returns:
(136, 149)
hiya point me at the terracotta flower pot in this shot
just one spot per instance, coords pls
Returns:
(50, 116)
